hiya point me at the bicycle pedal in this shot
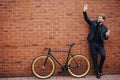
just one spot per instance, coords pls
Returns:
(60, 72)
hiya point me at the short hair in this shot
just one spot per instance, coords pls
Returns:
(102, 15)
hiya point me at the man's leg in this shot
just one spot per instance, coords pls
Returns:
(102, 53)
(94, 58)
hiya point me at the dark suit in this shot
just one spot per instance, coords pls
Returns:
(96, 45)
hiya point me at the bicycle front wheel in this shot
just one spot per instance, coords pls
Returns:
(43, 67)
(78, 65)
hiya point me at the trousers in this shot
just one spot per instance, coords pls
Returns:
(95, 49)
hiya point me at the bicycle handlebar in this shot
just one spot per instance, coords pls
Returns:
(71, 44)
(47, 48)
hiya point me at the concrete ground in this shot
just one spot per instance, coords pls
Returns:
(88, 77)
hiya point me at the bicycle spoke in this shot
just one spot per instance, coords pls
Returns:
(43, 67)
(78, 66)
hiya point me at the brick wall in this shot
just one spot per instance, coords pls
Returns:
(27, 26)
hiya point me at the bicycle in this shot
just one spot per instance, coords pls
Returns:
(77, 65)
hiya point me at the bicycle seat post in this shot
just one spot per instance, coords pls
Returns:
(69, 51)
(72, 44)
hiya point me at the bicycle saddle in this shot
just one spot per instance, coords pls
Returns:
(71, 44)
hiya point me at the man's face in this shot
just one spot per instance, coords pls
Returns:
(100, 19)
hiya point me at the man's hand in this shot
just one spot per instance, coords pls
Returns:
(85, 7)
(107, 33)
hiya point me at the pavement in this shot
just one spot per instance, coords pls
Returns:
(88, 77)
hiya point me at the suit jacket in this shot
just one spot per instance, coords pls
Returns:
(93, 26)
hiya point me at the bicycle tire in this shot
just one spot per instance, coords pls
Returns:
(43, 71)
(81, 69)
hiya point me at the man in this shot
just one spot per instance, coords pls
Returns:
(98, 33)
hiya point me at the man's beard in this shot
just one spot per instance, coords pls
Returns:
(99, 22)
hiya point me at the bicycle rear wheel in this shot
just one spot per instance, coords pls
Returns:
(78, 65)
(43, 66)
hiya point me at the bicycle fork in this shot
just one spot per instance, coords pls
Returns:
(46, 59)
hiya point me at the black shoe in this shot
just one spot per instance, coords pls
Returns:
(98, 75)
(101, 73)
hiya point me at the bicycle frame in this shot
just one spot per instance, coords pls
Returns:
(64, 67)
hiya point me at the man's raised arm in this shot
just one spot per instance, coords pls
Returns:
(85, 14)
